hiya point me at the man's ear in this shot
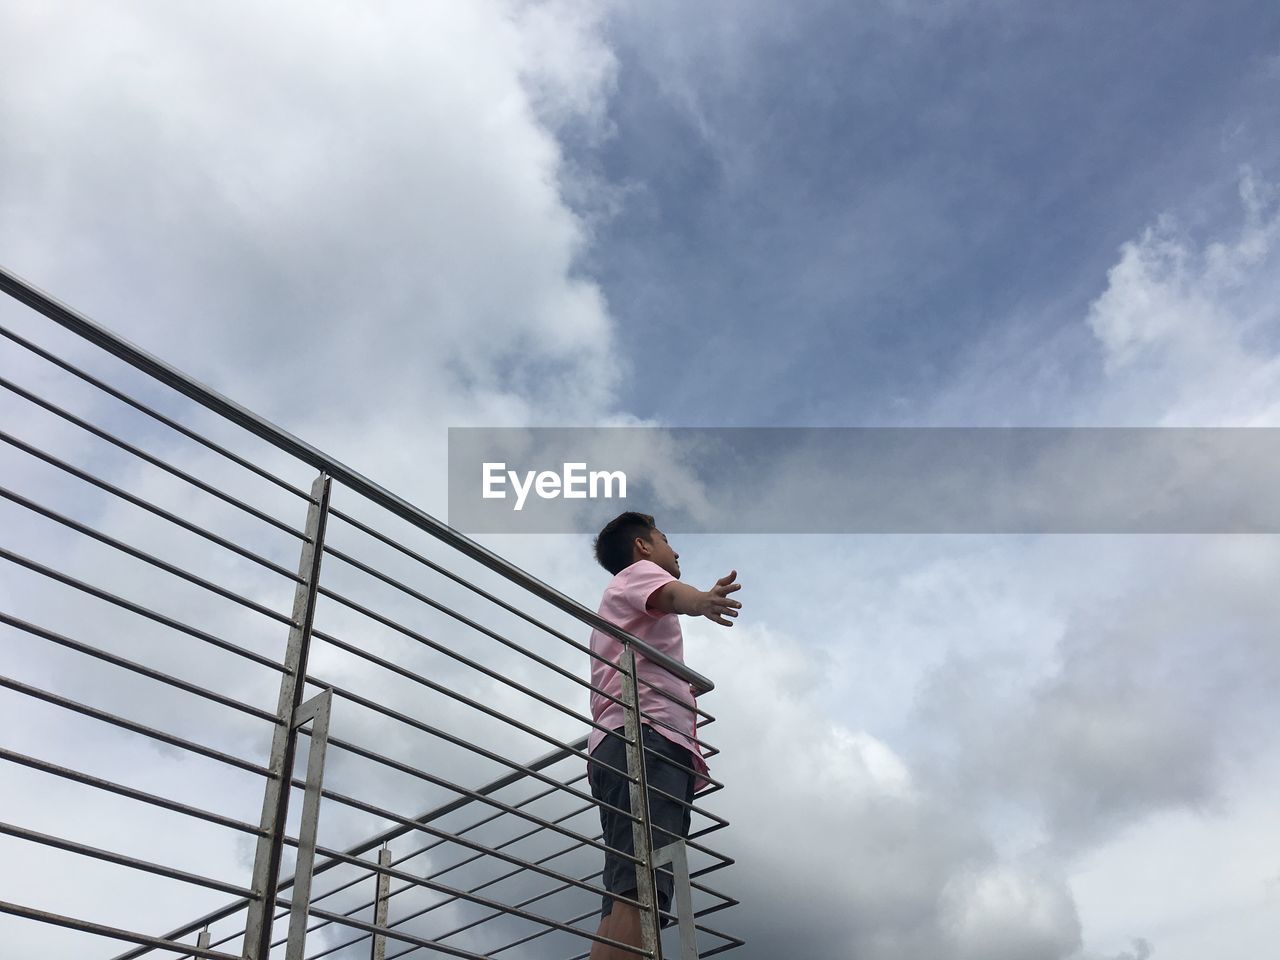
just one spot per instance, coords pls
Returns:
(641, 548)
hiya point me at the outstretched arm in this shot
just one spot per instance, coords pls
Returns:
(714, 604)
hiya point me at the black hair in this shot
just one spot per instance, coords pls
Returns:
(615, 544)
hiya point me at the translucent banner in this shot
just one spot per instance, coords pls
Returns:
(867, 480)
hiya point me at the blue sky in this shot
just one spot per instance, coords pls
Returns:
(837, 202)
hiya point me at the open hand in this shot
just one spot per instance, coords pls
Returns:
(716, 604)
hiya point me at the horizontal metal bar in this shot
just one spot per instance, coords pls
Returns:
(148, 458)
(63, 315)
(377, 811)
(364, 846)
(114, 933)
(155, 414)
(439, 873)
(731, 943)
(371, 928)
(724, 948)
(440, 842)
(712, 828)
(456, 741)
(450, 891)
(140, 610)
(542, 933)
(142, 555)
(110, 856)
(649, 751)
(701, 848)
(468, 621)
(726, 901)
(448, 900)
(151, 732)
(652, 688)
(523, 903)
(703, 718)
(148, 506)
(441, 689)
(714, 784)
(463, 582)
(452, 654)
(132, 793)
(137, 668)
(675, 763)
(725, 904)
(541, 860)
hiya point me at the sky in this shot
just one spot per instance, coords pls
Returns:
(370, 224)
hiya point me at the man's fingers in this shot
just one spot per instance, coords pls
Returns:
(723, 610)
(723, 617)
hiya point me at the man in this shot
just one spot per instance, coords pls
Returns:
(643, 598)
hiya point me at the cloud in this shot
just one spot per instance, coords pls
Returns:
(841, 852)
(1186, 327)
(1007, 913)
(1141, 951)
(331, 230)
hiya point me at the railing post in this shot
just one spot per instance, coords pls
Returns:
(315, 711)
(381, 902)
(275, 801)
(646, 889)
(677, 855)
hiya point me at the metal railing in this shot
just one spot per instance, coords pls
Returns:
(173, 562)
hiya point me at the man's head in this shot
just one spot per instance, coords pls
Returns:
(633, 536)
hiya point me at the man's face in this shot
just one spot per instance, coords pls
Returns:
(659, 551)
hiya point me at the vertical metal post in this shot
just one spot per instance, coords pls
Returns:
(275, 801)
(646, 889)
(677, 855)
(316, 711)
(202, 941)
(381, 903)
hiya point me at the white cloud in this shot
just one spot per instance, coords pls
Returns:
(1006, 912)
(393, 218)
(1187, 328)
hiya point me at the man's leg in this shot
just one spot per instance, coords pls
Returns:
(610, 786)
(622, 924)
(670, 821)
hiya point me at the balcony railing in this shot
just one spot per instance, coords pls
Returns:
(256, 705)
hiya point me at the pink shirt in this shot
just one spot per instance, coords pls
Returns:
(625, 604)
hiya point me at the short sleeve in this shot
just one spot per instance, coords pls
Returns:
(641, 579)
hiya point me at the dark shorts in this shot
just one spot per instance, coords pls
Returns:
(669, 818)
